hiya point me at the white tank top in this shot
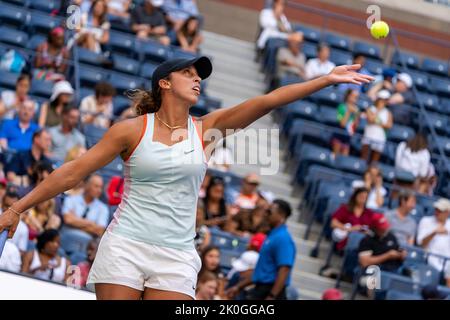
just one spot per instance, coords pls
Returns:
(57, 274)
(161, 189)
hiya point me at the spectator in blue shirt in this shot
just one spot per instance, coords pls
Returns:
(84, 216)
(19, 170)
(276, 258)
(17, 134)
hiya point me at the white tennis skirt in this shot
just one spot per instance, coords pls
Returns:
(140, 265)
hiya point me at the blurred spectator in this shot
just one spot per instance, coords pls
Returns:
(221, 157)
(290, 59)
(50, 113)
(413, 156)
(403, 226)
(274, 24)
(42, 217)
(348, 116)
(332, 294)
(179, 11)
(94, 29)
(12, 100)
(247, 222)
(10, 260)
(381, 248)
(17, 134)
(211, 263)
(383, 83)
(202, 234)
(207, 286)
(321, 65)
(216, 211)
(85, 216)
(357, 59)
(3, 186)
(431, 292)
(189, 37)
(51, 57)
(272, 273)
(242, 268)
(373, 181)
(84, 5)
(379, 121)
(20, 238)
(85, 266)
(97, 109)
(128, 113)
(66, 136)
(248, 197)
(354, 216)
(45, 262)
(402, 90)
(19, 170)
(433, 234)
(147, 21)
(39, 171)
(119, 8)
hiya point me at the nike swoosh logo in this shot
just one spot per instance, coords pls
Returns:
(187, 152)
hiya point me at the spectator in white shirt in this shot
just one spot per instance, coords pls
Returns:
(413, 156)
(274, 24)
(319, 66)
(290, 59)
(433, 234)
(222, 157)
(10, 259)
(119, 8)
(97, 109)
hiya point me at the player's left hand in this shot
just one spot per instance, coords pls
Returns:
(349, 74)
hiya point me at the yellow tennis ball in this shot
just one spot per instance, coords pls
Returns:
(379, 30)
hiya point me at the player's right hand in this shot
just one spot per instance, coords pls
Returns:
(9, 220)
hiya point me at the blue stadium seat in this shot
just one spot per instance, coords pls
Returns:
(309, 34)
(387, 171)
(411, 60)
(122, 43)
(437, 67)
(443, 142)
(431, 102)
(374, 66)
(90, 76)
(84, 92)
(399, 133)
(35, 41)
(303, 131)
(328, 96)
(8, 79)
(309, 50)
(147, 70)
(399, 295)
(339, 57)
(13, 37)
(93, 134)
(153, 50)
(308, 155)
(12, 15)
(179, 53)
(441, 86)
(114, 168)
(445, 105)
(328, 116)
(425, 274)
(89, 57)
(439, 122)
(392, 281)
(298, 109)
(42, 88)
(228, 241)
(126, 65)
(74, 240)
(45, 5)
(350, 164)
(77, 257)
(42, 23)
(364, 101)
(120, 103)
(338, 42)
(226, 259)
(17, 2)
(350, 260)
(420, 80)
(367, 49)
(124, 82)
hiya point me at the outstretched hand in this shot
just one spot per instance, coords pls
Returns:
(349, 74)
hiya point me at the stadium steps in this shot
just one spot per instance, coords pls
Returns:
(236, 78)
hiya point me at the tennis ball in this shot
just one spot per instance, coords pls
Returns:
(379, 30)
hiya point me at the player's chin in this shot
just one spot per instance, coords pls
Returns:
(193, 98)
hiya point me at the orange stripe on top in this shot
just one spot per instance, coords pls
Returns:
(144, 127)
(199, 133)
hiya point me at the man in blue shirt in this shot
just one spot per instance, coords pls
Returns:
(276, 258)
(17, 134)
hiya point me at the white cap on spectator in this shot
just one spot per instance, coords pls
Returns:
(247, 261)
(383, 94)
(156, 3)
(406, 78)
(442, 204)
(61, 87)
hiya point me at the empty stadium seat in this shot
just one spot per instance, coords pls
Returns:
(84, 92)
(8, 79)
(41, 88)
(120, 103)
(399, 133)
(425, 274)
(399, 295)
(17, 2)
(309, 34)
(337, 41)
(43, 23)
(123, 82)
(443, 142)
(126, 65)
(387, 171)
(367, 49)
(429, 101)
(35, 41)
(122, 43)
(90, 76)
(435, 66)
(328, 116)
(227, 241)
(441, 86)
(178, 53)
(364, 101)
(114, 168)
(309, 50)
(45, 5)
(339, 57)
(420, 80)
(153, 50)
(147, 70)
(374, 66)
(328, 96)
(410, 60)
(89, 57)
(12, 15)
(309, 155)
(438, 121)
(392, 281)
(93, 134)
(13, 37)
(350, 164)
(295, 110)
(77, 257)
(350, 260)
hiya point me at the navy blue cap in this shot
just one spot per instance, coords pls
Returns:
(202, 65)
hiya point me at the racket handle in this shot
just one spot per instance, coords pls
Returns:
(3, 238)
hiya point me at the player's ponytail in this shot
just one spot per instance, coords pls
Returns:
(145, 101)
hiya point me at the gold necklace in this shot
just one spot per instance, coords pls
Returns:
(168, 126)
